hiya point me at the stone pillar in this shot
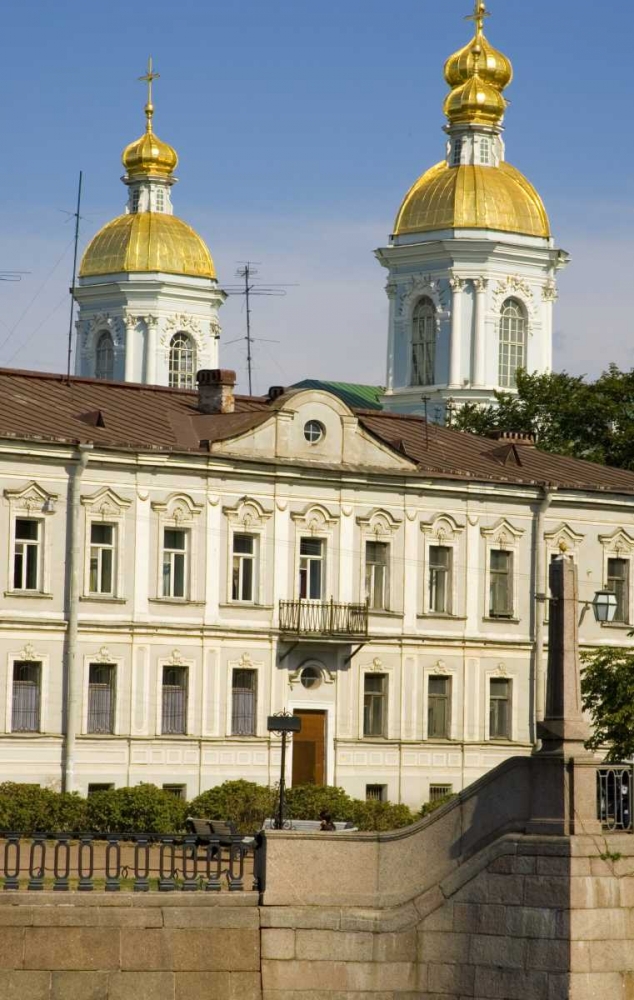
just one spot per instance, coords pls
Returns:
(130, 328)
(391, 289)
(150, 351)
(455, 361)
(479, 348)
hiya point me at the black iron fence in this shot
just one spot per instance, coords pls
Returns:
(326, 618)
(614, 797)
(136, 863)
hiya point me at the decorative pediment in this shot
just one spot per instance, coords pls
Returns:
(315, 518)
(103, 656)
(28, 653)
(248, 514)
(502, 533)
(180, 322)
(417, 287)
(32, 498)
(178, 507)
(618, 542)
(379, 522)
(101, 322)
(514, 287)
(443, 527)
(106, 503)
(564, 538)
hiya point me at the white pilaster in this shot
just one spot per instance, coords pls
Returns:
(150, 354)
(479, 347)
(130, 329)
(347, 558)
(410, 571)
(455, 350)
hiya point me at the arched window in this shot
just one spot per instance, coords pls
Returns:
(424, 343)
(182, 366)
(104, 357)
(512, 342)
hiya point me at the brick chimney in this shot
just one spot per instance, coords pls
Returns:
(215, 390)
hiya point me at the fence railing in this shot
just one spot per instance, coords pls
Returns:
(325, 618)
(614, 797)
(136, 863)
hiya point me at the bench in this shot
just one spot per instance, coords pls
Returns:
(309, 826)
(223, 831)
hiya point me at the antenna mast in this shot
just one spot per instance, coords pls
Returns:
(72, 289)
(247, 272)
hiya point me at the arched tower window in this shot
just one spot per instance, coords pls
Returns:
(424, 343)
(104, 357)
(182, 363)
(512, 342)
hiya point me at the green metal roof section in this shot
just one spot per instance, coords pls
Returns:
(360, 397)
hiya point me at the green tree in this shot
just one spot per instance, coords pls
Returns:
(607, 689)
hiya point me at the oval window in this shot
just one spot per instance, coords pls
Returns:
(310, 677)
(314, 431)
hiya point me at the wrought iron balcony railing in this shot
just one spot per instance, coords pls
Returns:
(324, 618)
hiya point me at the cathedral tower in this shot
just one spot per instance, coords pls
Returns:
(147, 292)
(472, 262)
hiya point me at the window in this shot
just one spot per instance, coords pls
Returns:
(376, 793)
(310, 678)
(25, 714)
(485, 150)
(374, 698)
(314, 431)
(619, 583)
(26, 562)
(501, 584)
(178, 791)
(101, 697)
(174, 562)
(439, 708)
(424, 343)
(104, 357)
(500, 710)
(377, 556)
(440, 566)
(243, 570)
(457, 152)
(160, 200)
(136, 195)
(244, 694)
(311, 568)
(182, 362)
(512, 342)
(438, 792)
(174, 715)
(102, 550)
(101, 786)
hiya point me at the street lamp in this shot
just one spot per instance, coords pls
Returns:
(283, 724)
(604, 605)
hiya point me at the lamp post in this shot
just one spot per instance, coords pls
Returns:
(283, 724)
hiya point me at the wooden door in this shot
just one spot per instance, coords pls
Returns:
(309, 749)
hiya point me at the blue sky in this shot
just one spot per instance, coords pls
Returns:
(300, 127)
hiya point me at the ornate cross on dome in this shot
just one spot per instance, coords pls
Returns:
(149, 77)
(480, 12)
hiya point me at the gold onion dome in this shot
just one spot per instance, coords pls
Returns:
(476, 102)
(147, 241)
(477, 74)
(149, 156)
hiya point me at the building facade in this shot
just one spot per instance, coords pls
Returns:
(179, 566)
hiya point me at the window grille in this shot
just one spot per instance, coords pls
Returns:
(102, 548)
(437, 792)
(26, 554)
(104, 357)
(174, 562)
(501, 584)
(376, 793)
(243, 702)
(243, 571)
(311, 568)
(178, 791)
(619, 583)
(374, 704)
(174, 715)
(99, 786)
(439, 708)
(424, 343)
(27, 679)
(512, 342)
(182, 362)
(500, 709)
(101, 697)
(440, 566)
(377, 555)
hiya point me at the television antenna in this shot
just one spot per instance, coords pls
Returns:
(77, 217)
(248, 287)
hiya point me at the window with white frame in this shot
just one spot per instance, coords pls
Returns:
(618, 581)
(175, 566)
(438, 707)
(102, 679)
(513, 330)
(500, 691)
(102, 558)
(500, 583)
(174, 701)
(424, 343)
(377, 570)
(440, 581)
(182, 362)
(456, 158)
(243, 570)
(374, 704)
(27, 555)
(244, 697)
(485, 150)
(312, 559)
(160, 200)
(104, 356)
(27, 692)
(136, 196)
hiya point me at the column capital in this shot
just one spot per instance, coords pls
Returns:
(480, 285)
(456, 283)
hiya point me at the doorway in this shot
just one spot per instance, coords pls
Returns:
(309, 748)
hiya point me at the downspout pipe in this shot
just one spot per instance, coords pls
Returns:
(72, 668)
(539, 662)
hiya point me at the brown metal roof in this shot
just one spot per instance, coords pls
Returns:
(36, 406)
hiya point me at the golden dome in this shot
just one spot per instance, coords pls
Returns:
(477, 75)
(473, 197)
(493, 66)
(147, 241)
(476, 102)
(149, 156)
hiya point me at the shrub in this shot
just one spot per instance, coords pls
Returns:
(381, 816)
(244, 803)
(140, 809)
(430, 807)
(308, 801)
(29, 808)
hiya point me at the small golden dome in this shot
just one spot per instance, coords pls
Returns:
(477, 75)
(473, 197)
(149, 156)
(476, 102)
(147, 241)
(493, 66)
